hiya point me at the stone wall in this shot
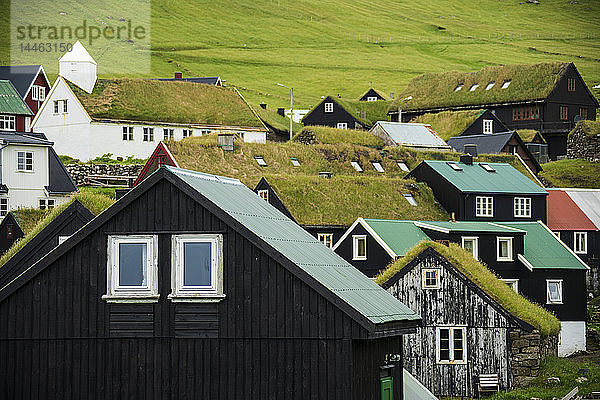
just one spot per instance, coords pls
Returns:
(80, 172)
(582, 145)
(528, 350)
(305, 137)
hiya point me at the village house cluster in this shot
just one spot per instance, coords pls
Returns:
(411, 263)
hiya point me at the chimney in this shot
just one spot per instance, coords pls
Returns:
(178, 75)
(471, 149)
(466, 159)
(263, 105)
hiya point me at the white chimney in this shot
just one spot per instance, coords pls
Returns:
(78, 67)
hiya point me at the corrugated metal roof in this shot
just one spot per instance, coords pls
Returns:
(475, 179)
(588, 201)
(565, 215)
(412, 134)
(486, 143)
(298, 246)
(470, 226)
(19, 138)
(10, 100)
(400, 236)
(543, 249)
(414, 390)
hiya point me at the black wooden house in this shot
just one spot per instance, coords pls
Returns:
(347, 114)
(192, 286)
(372, 95)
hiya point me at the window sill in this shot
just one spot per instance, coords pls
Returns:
(505, 259)
(20, 171)
(131, 299)
(583, 253)
(554, 302)
(452, 362)
(431, 287)
(359, 259)
(199, 298)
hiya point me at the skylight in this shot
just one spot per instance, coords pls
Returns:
(260, 161)
(403, 166)
(459, 87)
(356, 166)
(505, 84)
(411, 200)
(474, 86)
(295, 162)
(490, 85)
(487, 167)
(377, 166)
(454, 166)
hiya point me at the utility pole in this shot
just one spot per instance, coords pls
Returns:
(400, 108)
(291, 108)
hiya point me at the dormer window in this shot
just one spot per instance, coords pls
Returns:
(505, 84)
(371, 98)
(328, 107)
(356, 166)
(7, 122)
(458, 87)
(378, 167)
(490, 85)
(24, 161)
(473, 87)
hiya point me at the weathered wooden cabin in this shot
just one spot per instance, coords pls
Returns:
(191, 285)
(467, 330)
(483, 191)
(347, 114)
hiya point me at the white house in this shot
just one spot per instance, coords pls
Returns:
(79, 67)
(32, 175)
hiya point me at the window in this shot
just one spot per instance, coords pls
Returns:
(583, 112)
(295, 161)
(454, 166)
(3, 206)
(471, 244)
(326, 239)
(24, 161)
(7, 122)
(504, 248)
(264, 194)
(488, 126)
(260, 161)
(356, 166)
(410, 198)
(490, 85)
(571, 84)
(505, 84)
(148, 134)
(60, 106)
(484, 206)
(525, 113)
(487, 167)
(564, 113)
(38, 93)
(342, 125)
(402, 165)
(359, 247)
(430, 278)
(46, 204)
(554, 291)
(187, 132)
(132, 271)
(451, 347)
(371, 98)
(512, 149)
(458, 87)
(197, 268)
(473, 87)
(168, 134)
(522, 206)
(377, 166)
(512, 283)
(580, 242)
(328, 107)
(128, 133)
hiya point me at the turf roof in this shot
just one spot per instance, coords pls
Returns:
(527, 135)
(276, 121)
(449, 123)
(527, 82)
(328, 135)
(373, 110)
(589, 128)
(166, 101)
(479, 274)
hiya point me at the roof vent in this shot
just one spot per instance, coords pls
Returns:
(471, 149)
(466, 159)
(325, 174)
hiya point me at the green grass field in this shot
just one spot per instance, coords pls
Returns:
(323, 47)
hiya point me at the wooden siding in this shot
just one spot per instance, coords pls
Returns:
(456, 303)
(318, 116)
(377, 257)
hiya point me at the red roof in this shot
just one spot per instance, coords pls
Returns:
(565, 215)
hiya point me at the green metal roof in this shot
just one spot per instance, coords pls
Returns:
(469, 226)
(544, 250)
(400, 236)
(475, 179)
(298, 246)
(10, 101)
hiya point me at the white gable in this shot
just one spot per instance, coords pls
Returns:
(79, 67)
(77, 54)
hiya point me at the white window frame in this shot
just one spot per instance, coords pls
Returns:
(576, 248)
(522, 207)
(8, 123)
(512, 283)
(424, 284)
(168, 133)
(475, 240)
(488, 126)
(342, 125)
(34, 92)
(188, 132)
(328, 107)
(378, 167)
(3, 206)
(356, 166)
(451, 330)
(148, 134)
(510, 248)
(263, 194)
(58, 109)
(473, 87)
(490, 85)
(486, 209)
(24, 167)
(326, 239)
(145, 293)
(211, 293)
(371, 98)
(46, 204)
(559, 283)
(128, 133)
(505, 84)
(355, 240)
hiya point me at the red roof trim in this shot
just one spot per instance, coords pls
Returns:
(161, 153)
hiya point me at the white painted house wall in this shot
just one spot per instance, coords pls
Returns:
(79, 67)
(572, 338)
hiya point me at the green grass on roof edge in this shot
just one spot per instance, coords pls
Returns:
(94, 202)
(519, 306)
(589, 128)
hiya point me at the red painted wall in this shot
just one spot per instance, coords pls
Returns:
(35, 105)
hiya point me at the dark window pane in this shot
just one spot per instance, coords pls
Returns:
(132, 264)
(197, 263)
(458, 355)
(445, 355)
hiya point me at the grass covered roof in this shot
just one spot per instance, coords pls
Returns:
(571, 173)
(166, 101)
(438, 90)
(449, 123)
(276, 121)
(328, 135)
(527, 135)
(589, 128)
(367, 112)
(478, 273)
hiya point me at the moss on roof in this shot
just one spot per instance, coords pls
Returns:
(373, 111)
(328, 135)
(571, 173)
(166, 101)
(589, 128)
(527, 135)
(340, 200)
(28, 218)
(276, 121)
(528, 82)
(478, 273)
(449, 123)
(94, 202)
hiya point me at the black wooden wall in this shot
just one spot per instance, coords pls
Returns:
(10, 232)
(503, 208)
(377, 257)
(318, 116)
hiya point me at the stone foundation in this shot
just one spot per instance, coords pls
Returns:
(528, 350)
(582, 145)
(79, 172)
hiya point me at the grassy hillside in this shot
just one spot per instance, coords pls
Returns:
(571, 173)
(326, 46)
